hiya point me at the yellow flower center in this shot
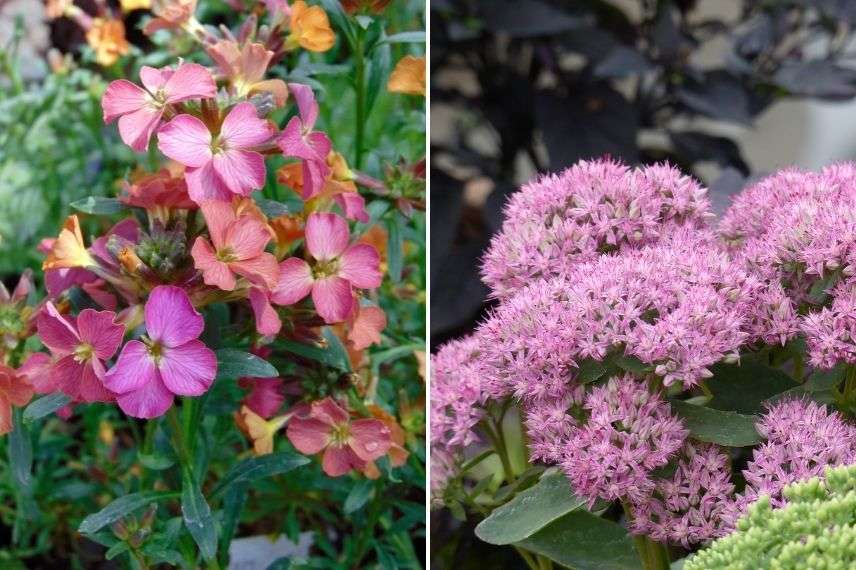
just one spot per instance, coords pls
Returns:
(327, 268)
(340, 434)
(226, 255)
(83, 352)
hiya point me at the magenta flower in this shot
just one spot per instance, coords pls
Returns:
(80, 348)
(299, 140)
(140, 110)
(170, 361)
(239, 248)
(223, 165)
(265, 396)
(346, 444)
(337, 270)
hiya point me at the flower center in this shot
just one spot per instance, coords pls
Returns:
(226, 255)
(83, 352)
(327, 268)
(340, 434)
(217, 145)
(155, 349)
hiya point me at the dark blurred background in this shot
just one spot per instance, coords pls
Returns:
(725, 89)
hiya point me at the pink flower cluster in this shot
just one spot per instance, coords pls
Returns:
(592, 208)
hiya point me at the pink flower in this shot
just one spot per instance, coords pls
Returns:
(346, 444)
(239, 248)
(222, 165)
(170, 361)
(337, 270)
(140, 110)
(265, 397)
(80, 347)
(299, 140)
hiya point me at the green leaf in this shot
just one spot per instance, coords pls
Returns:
(233, 504)
(377, 72)
(530, 511)
(44, 406)
(98, 205)
(339, 18)
(233, 363)
(121, 507)
(258, 468)
(20, 453)
(358, 496)
(744, 387)
(323, 355)
(394, 247)
(591, 370)
(197, 516)
(583, 541)
(823, 380)
(415, 37)
(156, 462)
(717, 426)
(116, 550)
(273, 209)
(631, 364)
(336, 349)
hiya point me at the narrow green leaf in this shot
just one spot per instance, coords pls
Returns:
(233, 504)
(20, 453)
(378, 72)
(323, 355)
(121, 507)
(233, 364)
(336, 349)
(530, 511)
(717, 426)
(583, 541)
(394, 248)
(116, 550)
(358, 496)
(197, 516)
(415, 37)
(273, 209)
(98, 205)
(156, 462)
(258, 468)
(44, 406)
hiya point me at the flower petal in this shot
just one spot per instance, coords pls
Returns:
(151, 400)
(91, 388)
(354, 206)
(333, 298)
(367, 327)
(122, 97)
(359, 265)
(247, 237)
(66, 374)
(339, 460)
(218, 216)
(241, 171)
(204, 184)
(370, 439)
(306, 103)
(295, 282)
(261, 270)
(136, 128)
(154, 79)
(214, 272)
(36, 369)
(187, 140)
(268, 322)
(189, 369)
(100, 329)
(56, 332)
(307, 435)
(329, 412)
(133, 369)
(242, 128)
(170, 316)
(189, 81)
(326, 235)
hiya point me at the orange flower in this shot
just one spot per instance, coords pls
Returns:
(258, 429)
(408, 77)
(310, 28)
(68, 249)
(286, 229)
(107, 38)
(376, 237)
(245, 68)
(376, 6)
(15, 390)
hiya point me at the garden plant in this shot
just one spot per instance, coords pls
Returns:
(653, 379)
(227, 339)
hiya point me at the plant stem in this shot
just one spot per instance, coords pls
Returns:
(527, 557)
(500, 451)
(360, 89)
(652, 554)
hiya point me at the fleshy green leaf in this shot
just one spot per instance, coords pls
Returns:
(121, 507)
(358, 496)
(44, 406)
(233, 363)
(98, 205)
(584, 541)
(530, 511)
(717, 426)
(744, 387)
(258, 468)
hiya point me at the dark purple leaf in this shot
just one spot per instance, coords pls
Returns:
(526, 18)
(620, 62)
(822, 79)
(719, 96)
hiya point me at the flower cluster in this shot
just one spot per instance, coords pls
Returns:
(592, 208)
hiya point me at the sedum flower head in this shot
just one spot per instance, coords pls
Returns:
(817, 529)
(592, 208)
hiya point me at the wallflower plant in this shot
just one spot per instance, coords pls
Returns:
(244, 341)
(651, 378)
